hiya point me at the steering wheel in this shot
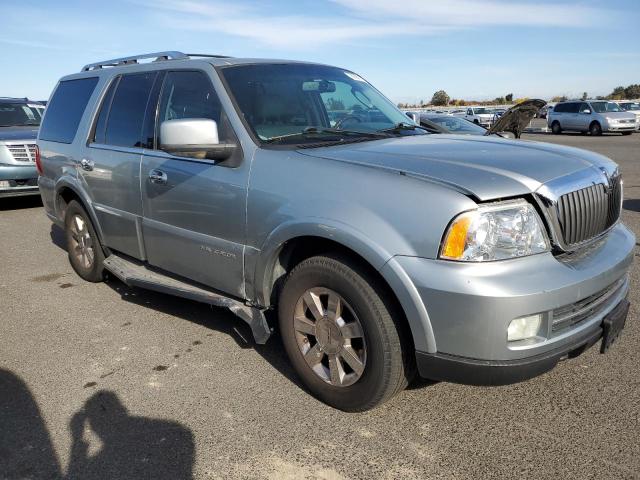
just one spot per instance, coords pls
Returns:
(346, 119)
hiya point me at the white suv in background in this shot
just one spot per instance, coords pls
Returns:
(480, 115)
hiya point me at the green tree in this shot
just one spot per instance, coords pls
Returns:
(440, 98)
(585, 95)
(508, 97)
(632, 92)
(617, 94)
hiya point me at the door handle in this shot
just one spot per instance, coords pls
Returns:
(158, 177)
(86, 164)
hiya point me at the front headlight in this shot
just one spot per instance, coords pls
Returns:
(495, 231)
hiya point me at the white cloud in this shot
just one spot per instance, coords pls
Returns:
(469, 13)
(362, 19)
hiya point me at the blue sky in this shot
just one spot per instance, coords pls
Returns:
(475, 49)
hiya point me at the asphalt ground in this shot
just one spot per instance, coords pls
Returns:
(104, 381)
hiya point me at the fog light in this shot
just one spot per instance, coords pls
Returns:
(4, 184)
(524, 327)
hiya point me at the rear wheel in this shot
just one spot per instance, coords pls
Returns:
(84, 248)
(595, 129)
(556, 128)
(339, 329)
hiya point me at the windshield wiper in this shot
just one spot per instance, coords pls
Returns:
(330, 131)
(403, 126)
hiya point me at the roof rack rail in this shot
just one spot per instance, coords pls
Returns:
(133, 60)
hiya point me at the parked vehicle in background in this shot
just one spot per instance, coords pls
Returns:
(222, 180)
(632, 107)
(480, 115)
(593, 116)
(19, 122)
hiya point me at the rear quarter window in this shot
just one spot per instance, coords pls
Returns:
(66, 108)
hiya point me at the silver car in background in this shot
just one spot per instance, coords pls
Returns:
(632, 107)
(593, 116)
(19, 122)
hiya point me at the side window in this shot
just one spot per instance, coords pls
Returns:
(572, 107)
(469, 111)
(101, 123)
(584, 107)
(190, 94)
(65, 110)
(126, 115)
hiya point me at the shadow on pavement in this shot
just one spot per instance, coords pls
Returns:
(633, 204)
(58, 237)
(18, 203)
(130, 446)
(214, 318)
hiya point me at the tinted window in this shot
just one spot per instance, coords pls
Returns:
(101, 123)
(66, 108)
(191, 95)
(572, 107)
(124, 124)
(19, 114)
(584, 107)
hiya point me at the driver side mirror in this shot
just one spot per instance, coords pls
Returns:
(194, 138)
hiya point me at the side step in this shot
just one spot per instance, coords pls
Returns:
(136, 274)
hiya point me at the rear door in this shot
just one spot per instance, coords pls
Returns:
(194, 218)
(110, 166)
(584, 117)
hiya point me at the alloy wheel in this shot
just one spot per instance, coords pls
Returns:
(330, 337)
(81, 242)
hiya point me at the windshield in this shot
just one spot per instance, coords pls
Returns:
(602, 107)
(457, 125)
(630, 106)
(300, 103)
(20, 114)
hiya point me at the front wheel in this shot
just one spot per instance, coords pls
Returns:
(595, 129)
(83, 246)
(340, 331)
(627, 133)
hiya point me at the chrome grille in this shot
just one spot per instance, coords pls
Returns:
(25, 152)
(585, 213)
(575, 313)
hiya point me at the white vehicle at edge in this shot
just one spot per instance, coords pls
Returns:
(480, 115)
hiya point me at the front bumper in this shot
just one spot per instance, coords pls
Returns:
(625, 127)
(470, 305)
(22, 180)
(470, 371)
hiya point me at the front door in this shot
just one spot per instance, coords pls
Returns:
(110, 165)
(194, 210)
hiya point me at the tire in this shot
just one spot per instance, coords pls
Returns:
(556, 128)
(627, 133)
(83, 245)
(595, 129)
(476, 121)
(380, 343)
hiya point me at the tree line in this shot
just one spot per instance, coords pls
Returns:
(442, 99)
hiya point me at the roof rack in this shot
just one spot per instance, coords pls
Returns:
(133, 60)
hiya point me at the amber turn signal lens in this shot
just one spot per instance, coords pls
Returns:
(456, 240)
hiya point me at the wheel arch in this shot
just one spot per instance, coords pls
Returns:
(285, 251)
(66, 190)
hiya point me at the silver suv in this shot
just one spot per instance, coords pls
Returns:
(593, 116)
(19, 122)
(379, 248)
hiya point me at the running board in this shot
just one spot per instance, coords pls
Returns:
(136, 274)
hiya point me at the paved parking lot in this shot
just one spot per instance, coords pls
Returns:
(102, 381)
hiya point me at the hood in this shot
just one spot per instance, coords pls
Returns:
(517, 117)
(485, 167)
(619, 115)
(18, 133)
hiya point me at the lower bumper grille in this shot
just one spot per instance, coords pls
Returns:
(575, 313)
(23, 152)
